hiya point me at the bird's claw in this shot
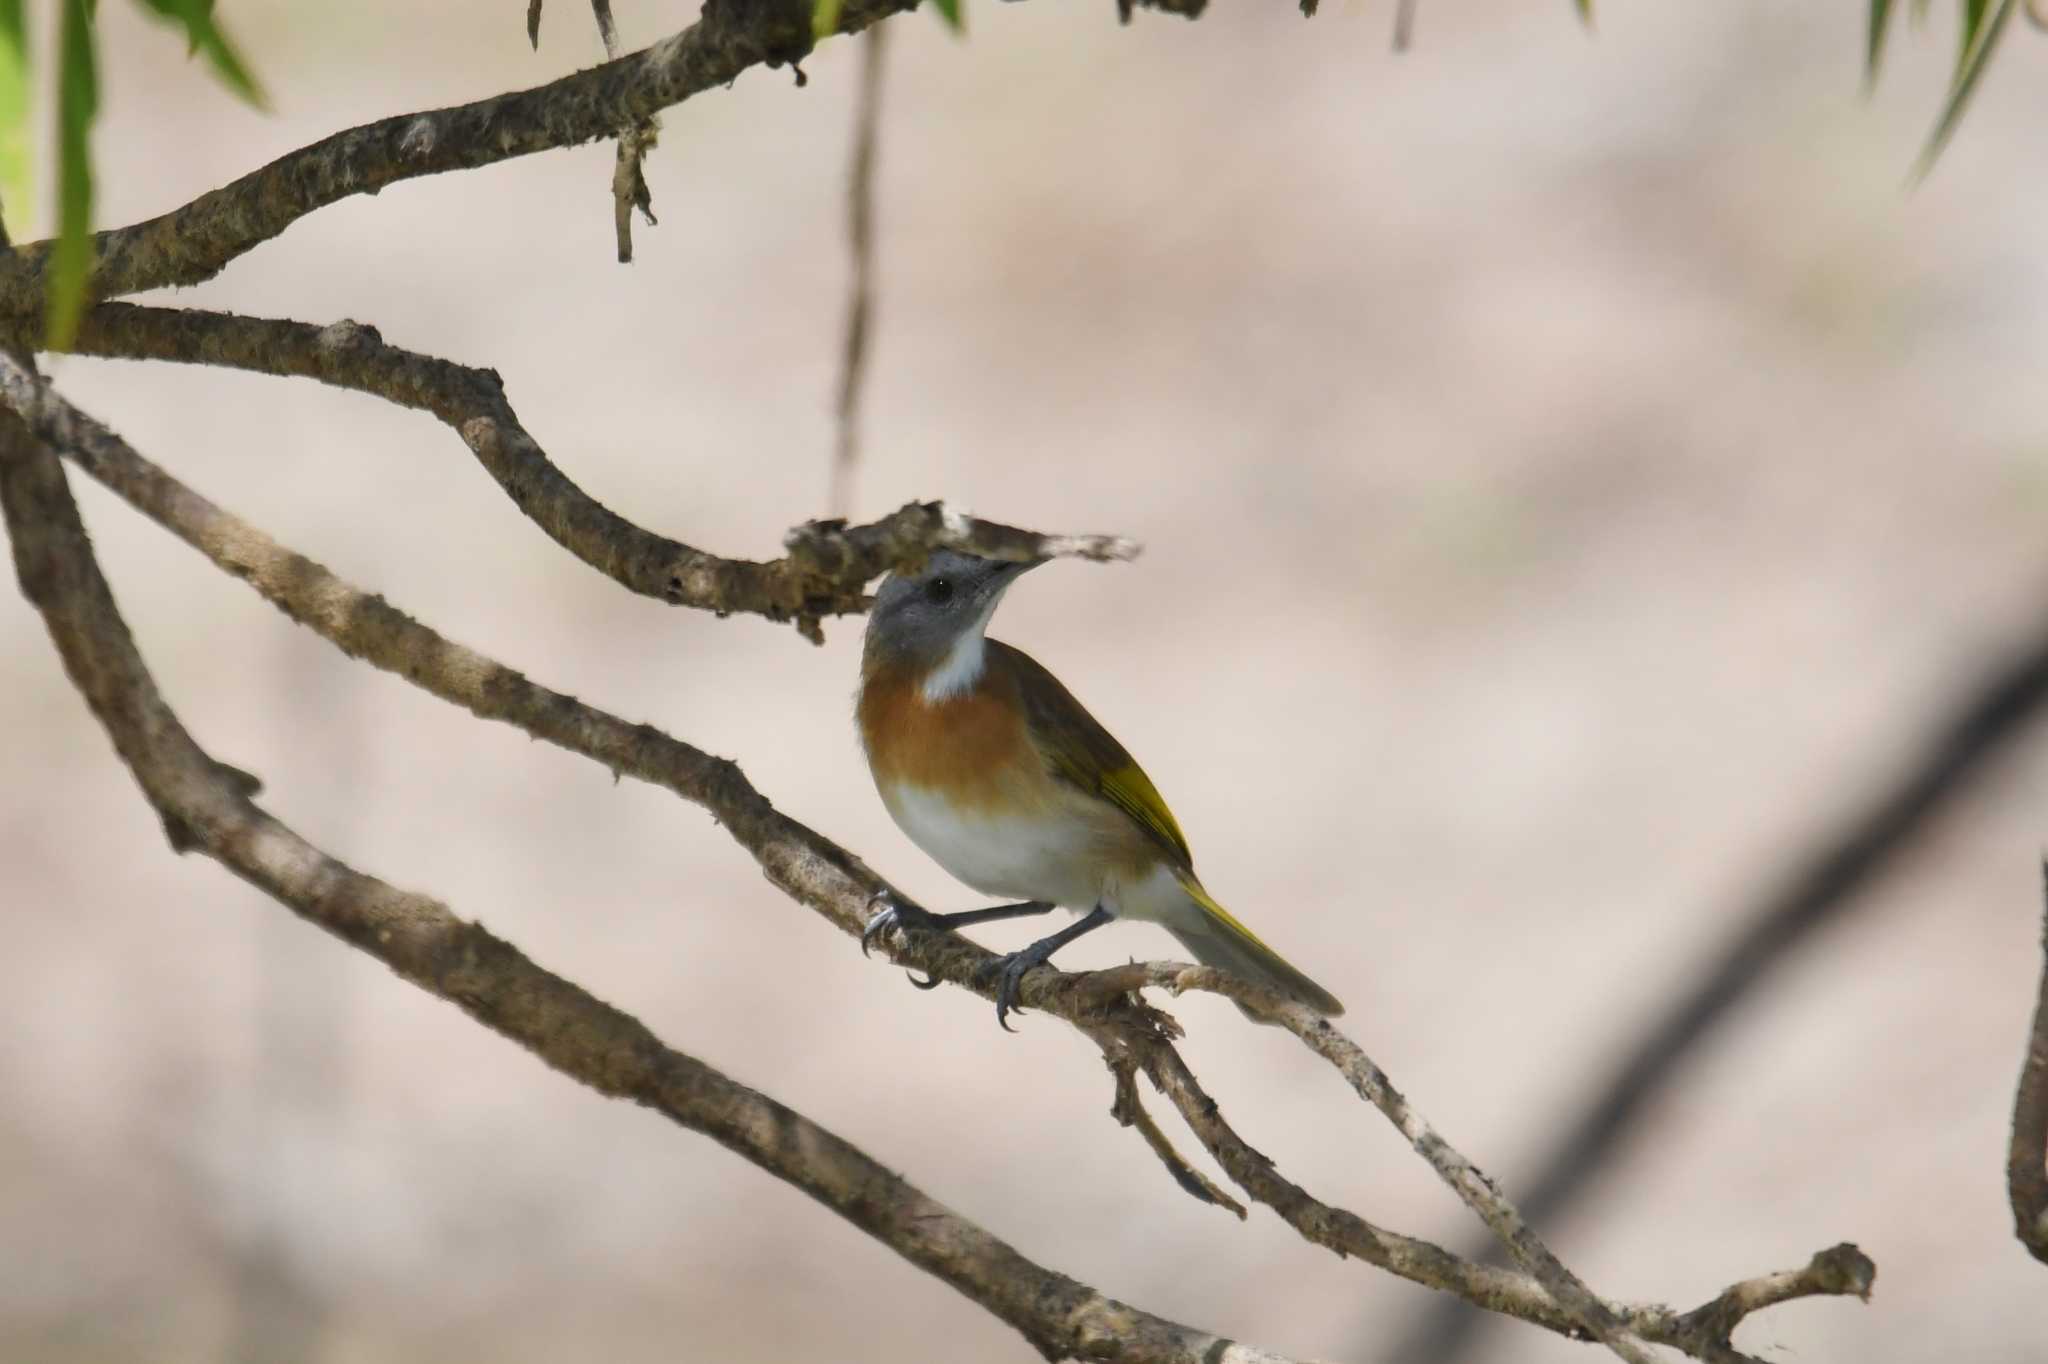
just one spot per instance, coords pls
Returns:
(895, 915)
(1010, 972)
(876, 921)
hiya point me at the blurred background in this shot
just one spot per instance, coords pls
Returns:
(1574, 473)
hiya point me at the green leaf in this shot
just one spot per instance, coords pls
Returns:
(1585, 9)
(949, 10)
(1982, 26)
(14, 146)
(824, 19)
(78, 100)
(204, 36)
(1880, 21)
(1973, 20)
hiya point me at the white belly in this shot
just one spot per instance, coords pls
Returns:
(1023, 857)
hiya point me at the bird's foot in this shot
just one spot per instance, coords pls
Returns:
(1010, 971)
(895, 913)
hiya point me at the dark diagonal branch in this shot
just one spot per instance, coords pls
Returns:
(2026, 1163)
(816, 872)
(493, 982)
(1816, 893)
(194, 242)
(828, 564)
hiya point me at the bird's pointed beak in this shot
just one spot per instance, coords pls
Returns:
(1011, 570)
(996, 581)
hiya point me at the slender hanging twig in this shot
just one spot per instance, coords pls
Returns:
(1404, 24)
(2026, 1167)
(860, 236)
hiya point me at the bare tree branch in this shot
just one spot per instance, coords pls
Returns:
(816, 872)
(2026, 1163)
(1816, 892)
(860, 237)
(494, 983)
(828, 564)
(194, 242)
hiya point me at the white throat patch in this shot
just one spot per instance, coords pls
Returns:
(960, 671)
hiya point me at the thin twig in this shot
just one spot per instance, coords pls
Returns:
(828, 565)
(1838, 1271)
(629, 184)
(1404, 24)
(607, 30)
(860, 237)
(2026, 1163)
(636, 139)
(1129, 1110)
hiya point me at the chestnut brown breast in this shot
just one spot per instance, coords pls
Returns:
(973, 746)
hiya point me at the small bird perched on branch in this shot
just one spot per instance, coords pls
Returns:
(994, 769)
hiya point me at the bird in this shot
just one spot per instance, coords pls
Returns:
(1003, 778)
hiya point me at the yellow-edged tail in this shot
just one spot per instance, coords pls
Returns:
(1218, 939)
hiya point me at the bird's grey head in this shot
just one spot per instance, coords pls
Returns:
(921, 617)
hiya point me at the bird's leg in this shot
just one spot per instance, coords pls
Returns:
(1011, 968)
(902, 914)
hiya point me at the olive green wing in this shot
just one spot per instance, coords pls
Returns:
(1085, 755)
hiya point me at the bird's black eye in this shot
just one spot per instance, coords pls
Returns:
(939, 590)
